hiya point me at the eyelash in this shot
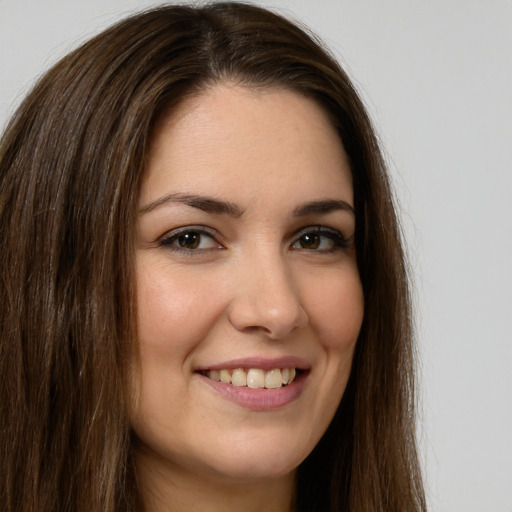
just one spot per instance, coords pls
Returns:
(336, 237)
(169, 240)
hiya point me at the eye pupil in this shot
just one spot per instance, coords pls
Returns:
(189, 240)
(310, 241)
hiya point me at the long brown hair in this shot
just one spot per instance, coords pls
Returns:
(71, 160)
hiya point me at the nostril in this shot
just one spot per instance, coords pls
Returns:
(267, 302)
(273, 325)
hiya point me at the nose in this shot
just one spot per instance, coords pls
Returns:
(266, 299)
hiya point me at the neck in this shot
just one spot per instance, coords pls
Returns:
(167, 488)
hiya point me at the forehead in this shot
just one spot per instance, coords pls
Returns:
(248, 142)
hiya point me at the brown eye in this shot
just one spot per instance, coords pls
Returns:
(320, 240)
(189, 240)
(309, 241)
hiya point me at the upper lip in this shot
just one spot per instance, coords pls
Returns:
(262, 363)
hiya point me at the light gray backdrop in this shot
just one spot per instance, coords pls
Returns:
(437, 78)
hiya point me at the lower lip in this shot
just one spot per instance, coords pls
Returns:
(258, 399)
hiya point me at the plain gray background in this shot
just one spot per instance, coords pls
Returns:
(437, 78)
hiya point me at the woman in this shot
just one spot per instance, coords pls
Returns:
(204, 300)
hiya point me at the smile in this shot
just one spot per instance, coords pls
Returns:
(253, 377)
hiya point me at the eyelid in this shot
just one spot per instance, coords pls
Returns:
(341, 241)
(166, 239)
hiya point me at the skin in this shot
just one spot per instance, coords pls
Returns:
(255, 286)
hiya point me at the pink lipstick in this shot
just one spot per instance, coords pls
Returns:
(257, 383)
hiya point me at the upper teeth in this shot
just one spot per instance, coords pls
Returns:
(254, 377)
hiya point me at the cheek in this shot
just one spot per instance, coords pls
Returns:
(336, 312)
(157, 289)
(168, 306)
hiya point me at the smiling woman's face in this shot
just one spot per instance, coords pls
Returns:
(246, 272)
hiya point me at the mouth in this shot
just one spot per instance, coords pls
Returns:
(258, 383)
(254, 377)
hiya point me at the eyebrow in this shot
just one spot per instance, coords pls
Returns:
(322, 207)
(216, 206)
(204, 203)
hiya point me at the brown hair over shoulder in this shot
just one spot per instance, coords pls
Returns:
(71, 161)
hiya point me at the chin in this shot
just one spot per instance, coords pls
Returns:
(258, 462)
(246, 471)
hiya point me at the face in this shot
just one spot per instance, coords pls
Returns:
(246, 275)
